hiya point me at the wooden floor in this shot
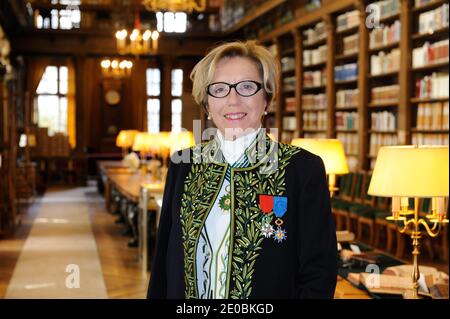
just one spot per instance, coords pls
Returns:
(121, 271)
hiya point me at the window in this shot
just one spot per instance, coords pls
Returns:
(153, 99)
(177, 105)
(66, 19)
(52, 102)
(171, 22)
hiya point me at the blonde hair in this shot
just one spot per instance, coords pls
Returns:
(204, 71)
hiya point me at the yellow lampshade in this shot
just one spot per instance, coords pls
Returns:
(126, 138)
(181, 141)
(410, 171)
(143, 142)
(330, 150)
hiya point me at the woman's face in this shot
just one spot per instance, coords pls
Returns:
(233, 114)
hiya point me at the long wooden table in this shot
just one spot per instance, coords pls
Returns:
(137, 188)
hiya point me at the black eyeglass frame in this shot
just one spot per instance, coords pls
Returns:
(230, 86)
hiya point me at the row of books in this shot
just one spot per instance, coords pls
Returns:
(347, 20)
(347, 98)
(384, 63)
(385, 35)
(386, 7)
(430, 53)
(378, 140)
(432, 86)
(432, 116)
(383, 121)
(346, 72)
(287, 63)
(421, 3)
(315, 56)
(315, 135)
(350, 44)
(386, 93)
(314, 101)
(314, 34)
(290, 103)
(347, 120)
(434, 19)
(314, 78)
(289, 123)
(429, 139)
(289, 83)
(315, 120)
(349, 141)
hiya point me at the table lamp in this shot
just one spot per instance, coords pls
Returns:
(125, 139)
(181, 140)
(143, 143)
(332, 153)
(404, 172)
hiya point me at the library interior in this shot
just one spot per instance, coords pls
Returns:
(98, 97)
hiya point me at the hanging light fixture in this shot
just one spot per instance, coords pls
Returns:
(175, 5)
(138, 41)
(116, 68)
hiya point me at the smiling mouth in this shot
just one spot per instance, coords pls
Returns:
(235, 116)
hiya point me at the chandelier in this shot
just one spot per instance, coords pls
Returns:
(175, 5)
(138, 42)
(115, 68)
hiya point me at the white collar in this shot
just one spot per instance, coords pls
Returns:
(233, 150)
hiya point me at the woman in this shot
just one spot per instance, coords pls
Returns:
(248, 217)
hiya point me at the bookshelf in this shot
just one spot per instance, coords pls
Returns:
(378, 84)
(429, 72)
(313, 65)
(288, 102)
(384, 78)
(346, 116)
(273, 111)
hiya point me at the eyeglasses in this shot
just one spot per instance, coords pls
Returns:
(243, 88)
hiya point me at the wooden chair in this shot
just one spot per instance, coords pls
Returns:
(342, 200)
(366, 214)
(357, 202)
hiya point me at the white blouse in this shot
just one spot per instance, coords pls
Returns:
(214, 242)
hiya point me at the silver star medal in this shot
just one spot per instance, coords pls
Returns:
(267, 230)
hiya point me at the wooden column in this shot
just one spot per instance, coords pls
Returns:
(363, 87)
(298, 45)
(330, 87)
(404, 107)
(166, 94)
(81, 122)
(279, 98)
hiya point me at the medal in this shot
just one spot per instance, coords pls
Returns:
(279, 209)
(277, 205)
(266, 203)
(225, 200)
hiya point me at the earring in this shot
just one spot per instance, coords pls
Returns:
(265, 113)
(209, 116)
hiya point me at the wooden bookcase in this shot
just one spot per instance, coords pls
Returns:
(369, 97)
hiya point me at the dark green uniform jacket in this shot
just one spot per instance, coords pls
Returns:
(303, 265)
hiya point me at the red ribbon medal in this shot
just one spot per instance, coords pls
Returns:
(266, 203)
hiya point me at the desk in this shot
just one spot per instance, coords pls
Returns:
(138, 191)
(149, 192)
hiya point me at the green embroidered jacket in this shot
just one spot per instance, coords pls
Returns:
(301, 265)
